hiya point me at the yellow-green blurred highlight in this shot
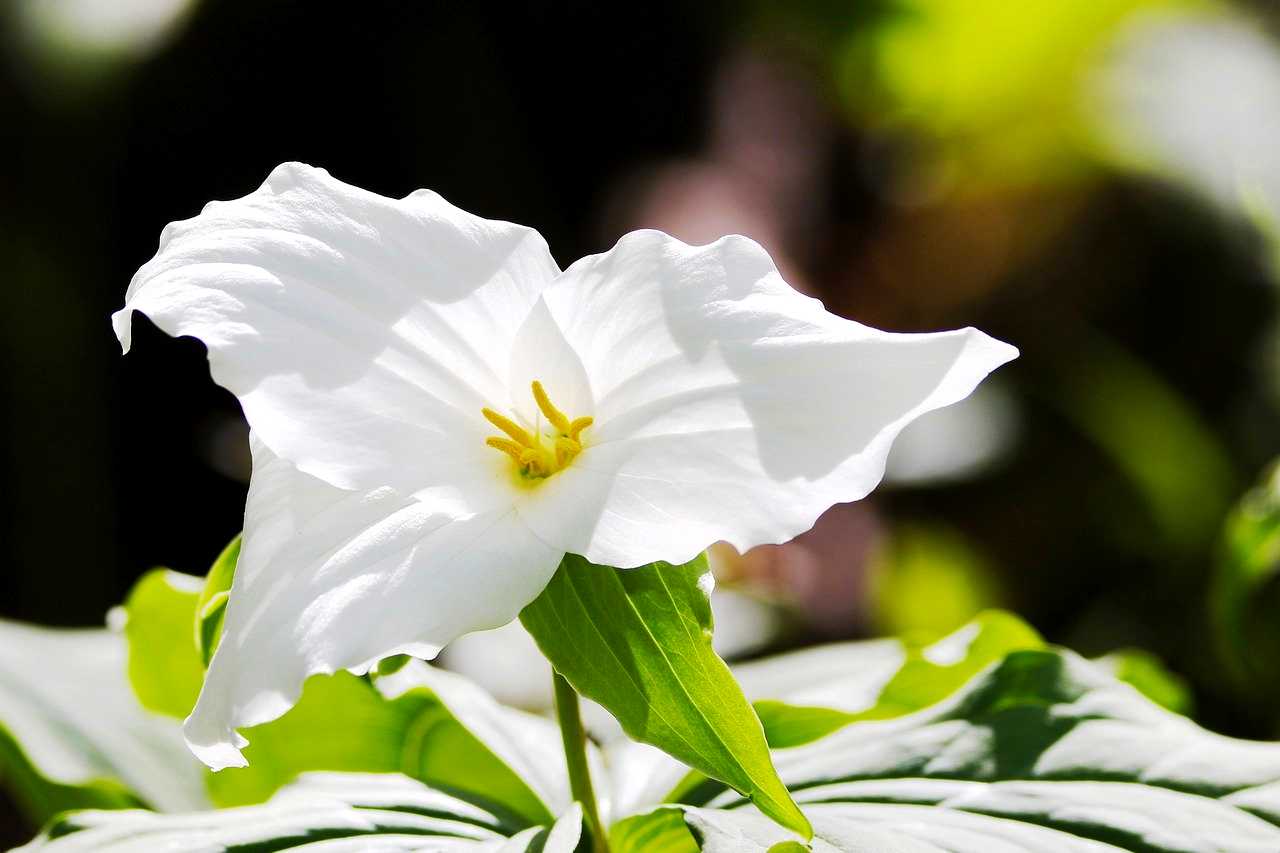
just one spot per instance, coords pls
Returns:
(994, 88)
(925, 582)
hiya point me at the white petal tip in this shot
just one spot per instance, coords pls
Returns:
(121, 323)
(218, 756)
(217, 751)
(291, 174)
(987, 353)
(421, 651)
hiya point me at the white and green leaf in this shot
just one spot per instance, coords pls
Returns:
(72, 735)
(320, 812)
(1042, 751)
(430, 725)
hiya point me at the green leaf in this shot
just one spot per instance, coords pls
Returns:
(663, 829)
(883, 829)
(1146, 673)
(414, 719)
(321, 812)
(72, 735)
(212, 604)
(165, 667)
(638, 642)
(428, 724)
(1043, 751)
(925, 675)
(844, 683)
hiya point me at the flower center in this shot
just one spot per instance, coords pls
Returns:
(537, 455)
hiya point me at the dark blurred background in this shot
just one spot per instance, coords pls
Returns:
(1092, 181)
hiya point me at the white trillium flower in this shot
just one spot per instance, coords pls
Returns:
(439, 414)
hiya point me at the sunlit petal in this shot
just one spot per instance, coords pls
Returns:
(331, 579)
(362, 334)
(728, 406)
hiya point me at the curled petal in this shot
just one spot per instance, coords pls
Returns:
(728, 406)
(330, 579)
(362, 334)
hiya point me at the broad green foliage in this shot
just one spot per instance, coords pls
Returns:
(165, 667)
(424, 723)
(924, 676)
(408, 719)
(321, 812)
(73, 736)
(804, 695)
(173, 625)
(663, 829)
(639, 643)
(1048, 739)
(1032, 749)
(1041, 752)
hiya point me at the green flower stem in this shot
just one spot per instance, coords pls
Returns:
(575, 753)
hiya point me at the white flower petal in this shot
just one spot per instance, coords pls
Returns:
(728, 406)
(362, 334)
(331, 579)
(541, 353)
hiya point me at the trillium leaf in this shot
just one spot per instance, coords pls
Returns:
(638, 642)
(321, 812)
(1042, 751)
(430, 725)
(925, 675)
(1049, 739)
(884, 829)
(664, 829)
(212, 604)
(72, 735)
(819, 690)
(165, 666)
(420, 721)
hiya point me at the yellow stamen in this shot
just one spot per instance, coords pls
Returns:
(518, 433)
(506, 446)
(534, 462)
(566, 449)
(557, 417)
(536, 455)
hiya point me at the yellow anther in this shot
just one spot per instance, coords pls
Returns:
(566, 449)
(506, 446)
(538, 455)
(554, 415)
(534, 462)
(518, 433)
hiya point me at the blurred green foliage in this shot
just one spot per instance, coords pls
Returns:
(927, 581)
(1246, 594)
(994, 89)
